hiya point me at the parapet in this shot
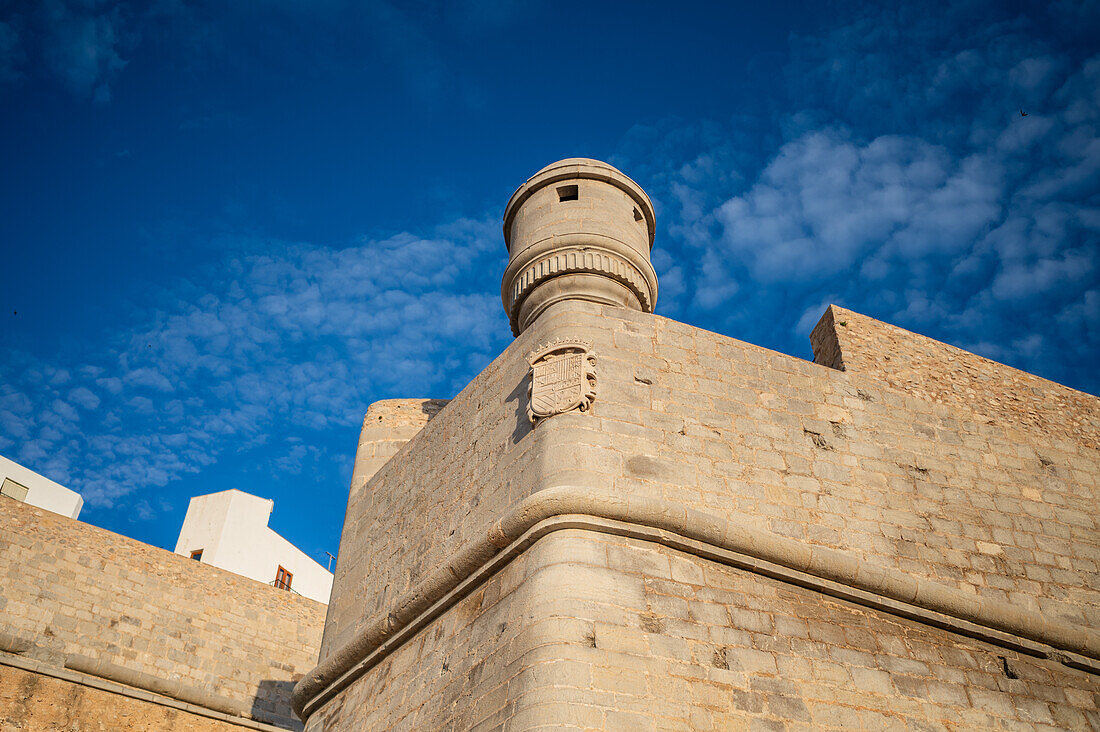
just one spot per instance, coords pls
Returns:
(577, 230)
(387, 426)
(940, 373)
(95, 623)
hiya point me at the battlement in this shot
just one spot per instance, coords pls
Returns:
(387, 426)
(937, 372)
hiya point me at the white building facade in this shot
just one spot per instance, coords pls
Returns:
(229, 530)
(23, 484)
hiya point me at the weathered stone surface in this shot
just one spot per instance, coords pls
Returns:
(36, 703)
(74, 595)
(588, 631)
(841, 460)
(387, 426)
(1005, 397)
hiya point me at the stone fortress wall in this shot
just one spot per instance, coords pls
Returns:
(387, 426)
(901, 535)
(897, 535)
(99, 631)
(690, 423)
(1006, 397)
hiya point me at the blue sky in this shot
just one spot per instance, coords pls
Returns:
(227, 228)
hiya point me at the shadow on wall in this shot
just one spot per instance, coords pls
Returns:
(431, 407)
(523, 422)
(272, 704)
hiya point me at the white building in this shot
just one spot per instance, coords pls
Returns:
(23, 484)
(229, 530)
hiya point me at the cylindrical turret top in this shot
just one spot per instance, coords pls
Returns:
(577, 230)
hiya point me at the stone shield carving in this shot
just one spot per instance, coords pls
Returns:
(563, 378)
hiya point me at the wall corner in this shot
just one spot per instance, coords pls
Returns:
(825, 340)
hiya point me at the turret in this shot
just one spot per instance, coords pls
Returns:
(577, 230)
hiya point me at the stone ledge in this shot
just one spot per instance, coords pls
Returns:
(105, 683)
(579, 259)
(710, 537)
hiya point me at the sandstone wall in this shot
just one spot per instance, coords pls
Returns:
(837, 459)
(1001, 514)
(387, 426)
(680, 643)
(1001, 395)
(590, 631)
(76, 596)
(450, 480)
(35, 702)
(464, 671)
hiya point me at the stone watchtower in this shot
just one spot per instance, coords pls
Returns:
(577, 230)
(628, 523)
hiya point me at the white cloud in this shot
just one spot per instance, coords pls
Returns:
(149, 378)
(907, 185)
(824, 202)
(1019, 280)
(82, 396)
(290, 342)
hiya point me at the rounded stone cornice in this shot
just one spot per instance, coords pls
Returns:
(562, 258)
(580, 259)
(716, 538)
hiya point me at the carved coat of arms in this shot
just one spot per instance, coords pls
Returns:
(563, 378)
